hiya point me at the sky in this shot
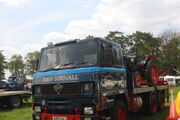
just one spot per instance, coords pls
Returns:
(28, 25)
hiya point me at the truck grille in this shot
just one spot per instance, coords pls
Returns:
(60, 106)
(61, 89)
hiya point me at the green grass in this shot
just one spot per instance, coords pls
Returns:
(25, 112)
(22, 113)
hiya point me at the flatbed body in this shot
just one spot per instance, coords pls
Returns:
(11, 93)
(145, 89)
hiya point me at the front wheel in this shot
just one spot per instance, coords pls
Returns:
(120, 111)
(15, 101)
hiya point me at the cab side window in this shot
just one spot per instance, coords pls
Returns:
(110, 55)
(117, 54)
(106, 55)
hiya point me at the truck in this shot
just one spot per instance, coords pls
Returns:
(15, 83)
(91, 79)
(13, 99)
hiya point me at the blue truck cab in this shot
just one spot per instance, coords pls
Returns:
(75, 77)
(89, 80)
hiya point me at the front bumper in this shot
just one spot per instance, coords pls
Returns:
(47, 116)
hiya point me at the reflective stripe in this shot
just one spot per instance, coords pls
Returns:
(79, 70)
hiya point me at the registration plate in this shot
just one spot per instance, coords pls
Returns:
(59, 118)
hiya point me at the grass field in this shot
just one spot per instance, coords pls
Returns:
(24, 112)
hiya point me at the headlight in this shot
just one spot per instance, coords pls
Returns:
(121, 84)
(37, 109)
(88, 110)
(37, 117)
(87, 88)
(87, 119)
(37, 90)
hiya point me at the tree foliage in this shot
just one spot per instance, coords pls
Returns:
(170, 50)
(16, 65)
(31, 60)
(2, 65)
(89, 37)
(142, 43)
(120, 38)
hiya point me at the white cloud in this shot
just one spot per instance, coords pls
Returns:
(9, 51)
(90, 4)
(41, 20)
(56, 37)
(10, 3)
(110, 15)
(32, 47)
(7, 41)
(127, 16)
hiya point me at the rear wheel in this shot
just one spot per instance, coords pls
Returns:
(161, 101)
(120, 111)
(152, 106)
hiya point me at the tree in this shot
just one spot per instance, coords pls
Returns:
(120, 38)
(2, 65)
(90, 36)
(16, 65)
(170, 49)
(143, 43)
(31, 60)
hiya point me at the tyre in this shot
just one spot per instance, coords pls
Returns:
(152, 72)
(15, 101)
(137, 79)
(161, 101)
(119, 111)
(152, 105)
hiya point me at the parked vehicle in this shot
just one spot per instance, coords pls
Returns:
(4, 84)
(91, 79)
(16, 82)
(12, 93)
(172, 80)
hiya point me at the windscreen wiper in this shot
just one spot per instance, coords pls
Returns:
(53, 68)
(83, 63)
(67, 65)
(58, 67)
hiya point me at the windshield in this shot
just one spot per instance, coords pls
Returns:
(69, 56)
(12, 79)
